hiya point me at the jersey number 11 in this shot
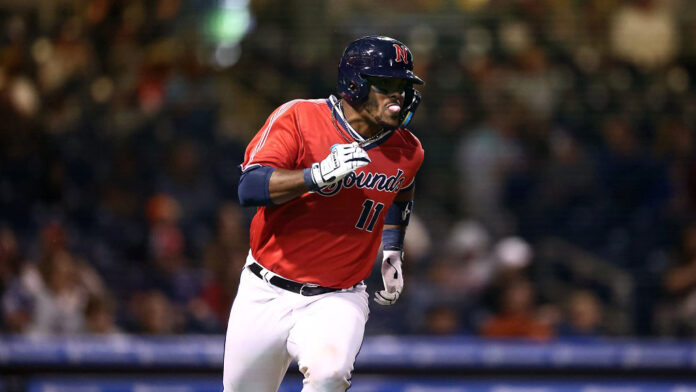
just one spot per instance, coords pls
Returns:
(365, 214)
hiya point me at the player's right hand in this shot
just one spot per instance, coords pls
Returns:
(343, 159)
(392, 276)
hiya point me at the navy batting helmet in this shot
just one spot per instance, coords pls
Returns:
(382, 57)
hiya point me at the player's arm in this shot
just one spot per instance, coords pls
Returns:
(393, 234)
(396, 221)
(286, 185)
(264, 185)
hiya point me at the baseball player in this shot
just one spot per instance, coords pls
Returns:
(331, 179)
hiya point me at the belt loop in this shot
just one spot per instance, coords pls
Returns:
(265, 273)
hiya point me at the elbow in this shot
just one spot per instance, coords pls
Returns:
(250, 199)
(253, 188)
(245, 200)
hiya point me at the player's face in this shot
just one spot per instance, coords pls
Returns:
(385, 100)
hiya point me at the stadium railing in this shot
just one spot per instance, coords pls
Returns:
(127, 363)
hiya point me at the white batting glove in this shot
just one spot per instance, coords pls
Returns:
(392, 277)
(343, 159)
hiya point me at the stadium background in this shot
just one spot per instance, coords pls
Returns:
(555, 204)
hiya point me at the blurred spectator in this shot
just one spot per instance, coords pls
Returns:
(168, 268)
(512, 254)
(11, 260)
(634, 185)
(16, 313)
(442, 320)
(487, 155)
(511, 258)
(454, 114)
(565, 194)
(155, 314)
(418, 241)
(224, 258)
(190, 188)
(57, 292)
(466, 268)
(644, 33)
(468, 238)
(100, 316)
(583, 316)
(53, 239)
(533, 83)
(679, 309)
(451, 280)
(516, 316)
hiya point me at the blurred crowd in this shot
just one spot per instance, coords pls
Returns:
(556, 199)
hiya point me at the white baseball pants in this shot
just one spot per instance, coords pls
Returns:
(270, 326)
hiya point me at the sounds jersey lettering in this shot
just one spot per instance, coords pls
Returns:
(378, 181)
(330, 237)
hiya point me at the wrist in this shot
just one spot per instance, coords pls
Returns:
(394, 255)
(308, 174)
(393, 239)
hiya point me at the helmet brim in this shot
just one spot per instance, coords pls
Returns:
(397, 75)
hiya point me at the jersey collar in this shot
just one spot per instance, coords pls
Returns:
(337, 113)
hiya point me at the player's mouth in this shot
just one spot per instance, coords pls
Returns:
(393, 107)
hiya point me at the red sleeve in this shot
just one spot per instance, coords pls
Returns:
(278, 143)
(417, 159)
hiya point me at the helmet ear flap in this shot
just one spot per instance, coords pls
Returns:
(411, 102)
(358, 89)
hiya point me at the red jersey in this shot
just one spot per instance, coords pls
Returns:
(330, 237)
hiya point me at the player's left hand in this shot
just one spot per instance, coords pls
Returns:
(392, 277)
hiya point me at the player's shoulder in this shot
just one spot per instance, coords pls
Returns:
(408, 139)
(408, 143)
(298, 105)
